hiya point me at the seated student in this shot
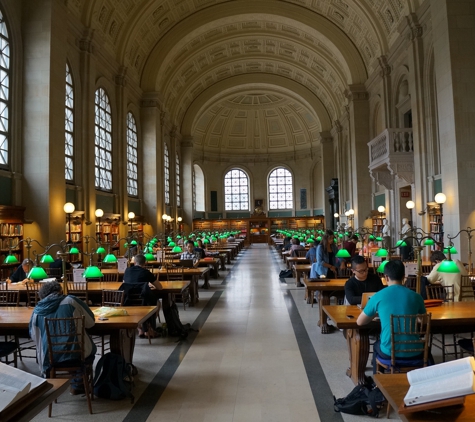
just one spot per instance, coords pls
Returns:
(231, 238)
(311, 254)
(361, 281)
(296, 246)
(189, 253)
(20, 274)
(58, 263)
(54, 304)
(287, 243)
(200, 250)
(350, 245)
(395, 299)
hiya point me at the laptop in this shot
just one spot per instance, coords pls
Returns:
(187, 263)
(364, 299)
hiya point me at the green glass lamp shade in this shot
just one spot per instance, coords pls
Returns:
(429, 242)
(177, 249)
(448, 267)
(172, 244)
(169, 239)
(379, 239)
(150, 256)
(340, 236)
(11, 259)
(74, 250)
(371, 237)
(214, 238)
(196, 244)
(100, 250)
(343, 253)
(110, 258)
(178, 237)
(400, 244)
(319, 238)
(450, 249)
(347, 234)
(301, 239)
(92, 272)
(134, 243)
(37, 273)
(206, 241)
(126, 245)
(334, 240)
(47, 259)
(381, 267)
(382, 252)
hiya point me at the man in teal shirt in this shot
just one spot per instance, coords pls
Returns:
(396, 299)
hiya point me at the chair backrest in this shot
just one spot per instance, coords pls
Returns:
(65, 336)
(300, 253)
(426, 269)
(32, 290)
(344, 273)
(466, 289)
(174, 273)
(110, 276)
(3, 285)
(54, 272)
(411, 282)
(410, 334)
(437, 291)
(79, 289)
(9, 298)
(112, 298)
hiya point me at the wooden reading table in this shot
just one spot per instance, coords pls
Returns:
(300, 269)
(449, 318)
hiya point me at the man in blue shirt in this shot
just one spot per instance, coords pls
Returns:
(395, 299)
(312, 252)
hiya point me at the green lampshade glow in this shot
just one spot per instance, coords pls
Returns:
(319, 238)
(400, 244)
(149, 256)
(214, 238)
(379, 239)
(450, 249)
(46, 259)
(206, 241)
(448, 267)
(134, 243)
(126, 245)
(382, 252)
(92, 272)
(178, 237)
(343, 253)
(169, 239)
(196, 244)
(334, 240)
(37, 273)
(74, 250)
(172, 244)
(100, 250)
(371, 237)
(340, 235)
(381, 267)
(110, 258)
(177, 249)
(11, 259)
(429, 242)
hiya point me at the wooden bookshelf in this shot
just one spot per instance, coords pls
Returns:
(11, 233)
(107, 231)
(435, 222)
(76, 234)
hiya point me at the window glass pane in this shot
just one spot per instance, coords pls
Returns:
(236, 190)
(4, 93)
(69, 127)
(103, 130)
(280, 189)
(166, 179)
(177, 182)
(132, 164)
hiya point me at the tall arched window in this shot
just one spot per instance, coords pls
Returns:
(236, 190)
(4, 92)
(178, 188)
(280, 189)
(69, 128)
(166, 168)
(198, 188)
(132, 173)
(103, 141)
(194, 189)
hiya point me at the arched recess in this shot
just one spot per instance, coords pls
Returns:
(199, 185)
(258, 81)
(320, 27)
(432, 122)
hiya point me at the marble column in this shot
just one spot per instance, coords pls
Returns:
(187, 179)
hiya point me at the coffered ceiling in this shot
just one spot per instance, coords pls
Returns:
(254, 75)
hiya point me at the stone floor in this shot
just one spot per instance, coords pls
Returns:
(258, 356)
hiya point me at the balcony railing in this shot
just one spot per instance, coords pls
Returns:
(390, 143)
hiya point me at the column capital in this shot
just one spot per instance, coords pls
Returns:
(85, 43)
(385, 66)
(326, 137)
(356, 92)
(120, 78)
(187, 142)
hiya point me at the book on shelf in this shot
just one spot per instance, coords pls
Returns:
(15, 384)
(440, 382)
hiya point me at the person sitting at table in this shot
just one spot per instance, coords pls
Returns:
(137, 279)
(200, 250)
(20, 274)
(54, 304)
(231, 238)
(189, 252)
(446, 279)
(296, 246)
(326, 257)
(350, 245)
(58, 264)
(287, 243)
(395, 299)
(311, 254)
(361, 281)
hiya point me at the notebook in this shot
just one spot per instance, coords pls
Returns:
(364, 299)
(187, 263)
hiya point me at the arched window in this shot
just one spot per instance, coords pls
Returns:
(280, 189)
(178, 190)
(198, 188)
(132, 173)
(4, 92)
(194, 188)
(166, 168)
(236, 190)
(103, 141)
(69, 128)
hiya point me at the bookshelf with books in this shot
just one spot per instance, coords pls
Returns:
(11, 233)
(297, 223)
(259, 231)
(377, 224)
(74, 227)
(435, 222)
(107, 231)
(239, 226)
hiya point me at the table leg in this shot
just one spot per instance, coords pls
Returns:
(298, 274)
(122, 342)
(358, 352)
(222, 259)
(194, 290)
(324, 299)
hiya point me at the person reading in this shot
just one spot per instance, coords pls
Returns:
(21, 273)
(361, 281)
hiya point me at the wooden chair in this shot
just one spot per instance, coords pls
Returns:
(111, 298)
(79, 289)
(445, 293)
(3, 285)
(466, 289)
(344, 273)
(300, 253)
(10, 345)
(65, 337)
(413, 332)
(54, 272)
(466, 345)
(32, 297)
(9, 298)
(110, 276)
(176, 273)
(411, 282)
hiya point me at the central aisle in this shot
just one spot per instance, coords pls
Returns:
(245, 364)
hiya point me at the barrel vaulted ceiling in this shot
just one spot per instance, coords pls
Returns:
(247, 76)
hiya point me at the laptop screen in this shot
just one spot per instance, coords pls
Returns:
(186, 263)
(365, 298)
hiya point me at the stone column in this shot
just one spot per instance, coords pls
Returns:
(358, 108)
(187, 179)
(119, 151)
(43, 27)
(328, 170)
(454, 61)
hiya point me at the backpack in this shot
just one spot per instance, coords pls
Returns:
(364, 399)
(174, 326)
(286, 274)
(113, 379)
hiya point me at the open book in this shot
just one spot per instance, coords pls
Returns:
(15, 384)
(439, 382)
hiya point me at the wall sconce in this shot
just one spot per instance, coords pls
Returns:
(99, 213)
(410, 206)
(69, 209)
(381, 210)
(131, 216)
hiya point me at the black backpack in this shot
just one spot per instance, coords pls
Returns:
(113, 379)
(174, 326)
(364, 399)
(286, 274)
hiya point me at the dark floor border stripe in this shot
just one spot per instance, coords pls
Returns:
(144, 406)
(321, 391)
